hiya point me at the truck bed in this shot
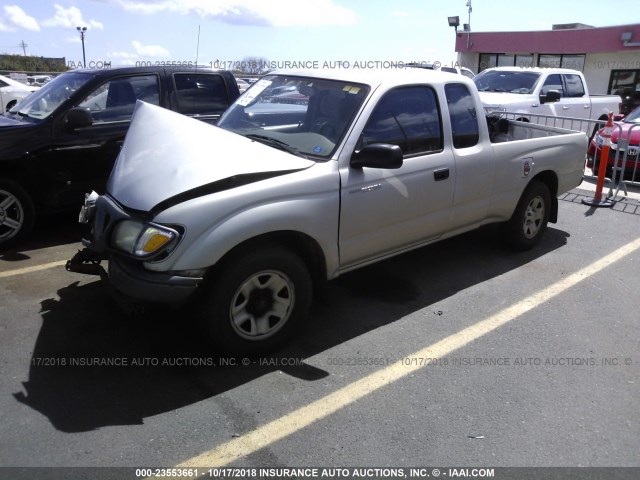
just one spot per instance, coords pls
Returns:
(503, 130)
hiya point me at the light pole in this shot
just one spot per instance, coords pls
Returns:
(81, 30)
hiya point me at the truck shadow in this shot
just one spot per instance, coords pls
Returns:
(92, 367)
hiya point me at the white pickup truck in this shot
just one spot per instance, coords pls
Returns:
(348, 169)
(543, 91)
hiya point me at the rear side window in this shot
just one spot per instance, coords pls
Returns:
(407, 117)
(574, 85)
(200, 94)
(463, 115)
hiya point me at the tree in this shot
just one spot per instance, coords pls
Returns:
(254, 66)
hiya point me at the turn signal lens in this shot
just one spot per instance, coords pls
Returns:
(152, 240)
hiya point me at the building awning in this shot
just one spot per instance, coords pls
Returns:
(579, 40)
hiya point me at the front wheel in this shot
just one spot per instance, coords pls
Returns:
(17, 213)
(529, 221)
(257, 301)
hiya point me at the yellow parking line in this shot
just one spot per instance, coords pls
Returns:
(289, 424)
(35, 268)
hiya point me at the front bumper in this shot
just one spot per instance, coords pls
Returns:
(126, 276)
(133, 280)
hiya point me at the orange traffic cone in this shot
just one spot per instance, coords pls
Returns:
(597, 200)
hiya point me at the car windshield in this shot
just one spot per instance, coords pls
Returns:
(511, 82)
(43, 102)
(305, 116)
(633, 117)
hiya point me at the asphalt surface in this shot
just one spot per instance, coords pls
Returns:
(553, 382)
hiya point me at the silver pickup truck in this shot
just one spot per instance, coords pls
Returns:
(309, 175)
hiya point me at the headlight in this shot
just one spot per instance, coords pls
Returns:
(142, 239)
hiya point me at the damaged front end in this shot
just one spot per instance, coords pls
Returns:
(127, 240)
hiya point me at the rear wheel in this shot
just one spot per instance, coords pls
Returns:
(529, 221)
(17, 213)
(257, 301)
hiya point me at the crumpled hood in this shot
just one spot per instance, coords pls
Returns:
(168, 158)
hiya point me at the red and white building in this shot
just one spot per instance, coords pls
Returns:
(609, 57)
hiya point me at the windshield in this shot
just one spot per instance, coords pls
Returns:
(306, 116)
(41, 103)
(633, 117)
(511, 82)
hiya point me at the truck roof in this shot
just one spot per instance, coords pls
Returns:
(551, 70)
(375, 77)
(107, 72)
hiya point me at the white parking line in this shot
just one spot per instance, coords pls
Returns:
(35, 268)
(291, 423)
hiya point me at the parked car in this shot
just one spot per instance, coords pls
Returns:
(12, 92)
(62, 140)
(543, 91)
(628, 130)
(242, 85)
(630, 100)
(452, 69)
(459, 70)
(375, 164)
(38, 80)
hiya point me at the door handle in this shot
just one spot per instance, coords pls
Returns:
(566, 108)
(441, 174)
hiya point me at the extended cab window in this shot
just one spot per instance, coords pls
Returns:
(115, 100)
(574, 85)
(407, 117)
(200, 94)
(462, 112)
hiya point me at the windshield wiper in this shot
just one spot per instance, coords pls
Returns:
(274, 142)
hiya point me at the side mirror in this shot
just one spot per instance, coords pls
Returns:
(378, 155)
(550, 97)
(79, 117)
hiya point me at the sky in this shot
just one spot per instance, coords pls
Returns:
(222, 33)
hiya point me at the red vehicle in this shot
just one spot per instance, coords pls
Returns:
(627, 128)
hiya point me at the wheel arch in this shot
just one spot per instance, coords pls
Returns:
(14, 172)
(301, 244)
(550, 179)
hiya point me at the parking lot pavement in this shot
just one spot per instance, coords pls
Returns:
(456, 354)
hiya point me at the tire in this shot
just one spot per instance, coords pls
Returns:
(17, 214)
(256, 302)
(529, 220)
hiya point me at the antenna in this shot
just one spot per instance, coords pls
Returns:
(24, 47)
(198, 47)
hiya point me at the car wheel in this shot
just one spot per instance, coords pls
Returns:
(17, 213)
(529, 220)
(256, 301)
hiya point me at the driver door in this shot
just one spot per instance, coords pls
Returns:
(83, 158)
(382, 210)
